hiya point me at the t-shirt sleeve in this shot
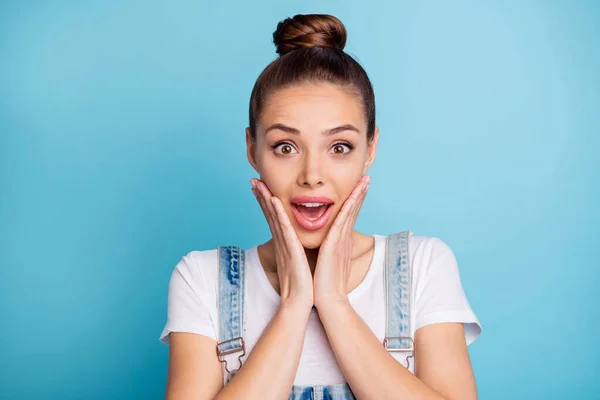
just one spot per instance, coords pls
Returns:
(442, 298)
(191, 296)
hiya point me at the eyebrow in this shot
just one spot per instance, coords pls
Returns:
(327, 132)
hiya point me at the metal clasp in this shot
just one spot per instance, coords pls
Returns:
(410, 349)
(242, 348)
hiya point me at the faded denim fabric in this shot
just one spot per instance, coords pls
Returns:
(398, 283)
(318, 392)
(231, 305)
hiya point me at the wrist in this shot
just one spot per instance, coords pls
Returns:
(331, 302)
(295, 306)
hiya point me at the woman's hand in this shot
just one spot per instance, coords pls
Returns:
(334, 260)
(295, 279)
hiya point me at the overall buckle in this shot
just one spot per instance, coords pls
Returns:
(410, 349)
(242, 348)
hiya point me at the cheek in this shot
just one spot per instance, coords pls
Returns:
(276, 180)
(274, 174)
(346, 178)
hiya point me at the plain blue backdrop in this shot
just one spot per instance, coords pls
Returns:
(122, 148)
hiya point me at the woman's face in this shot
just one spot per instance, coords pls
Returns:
(311, 140)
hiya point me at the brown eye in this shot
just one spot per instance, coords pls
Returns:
(340, 147)
(284, 149)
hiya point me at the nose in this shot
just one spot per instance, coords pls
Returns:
(310, 172)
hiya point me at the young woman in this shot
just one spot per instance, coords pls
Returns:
(320, 310)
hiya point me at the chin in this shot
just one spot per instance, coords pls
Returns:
(311, 240)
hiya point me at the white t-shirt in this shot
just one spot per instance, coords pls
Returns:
(437, 296)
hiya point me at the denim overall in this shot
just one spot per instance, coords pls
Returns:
(398, 276)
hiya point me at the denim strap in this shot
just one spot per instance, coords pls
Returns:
(231, 305)
(398, 279)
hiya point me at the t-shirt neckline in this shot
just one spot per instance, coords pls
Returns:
(376, 263)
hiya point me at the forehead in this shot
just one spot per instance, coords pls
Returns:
(316, 106)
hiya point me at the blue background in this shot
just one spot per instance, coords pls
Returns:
(122, 148)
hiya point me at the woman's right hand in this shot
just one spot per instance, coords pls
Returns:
(295, 278)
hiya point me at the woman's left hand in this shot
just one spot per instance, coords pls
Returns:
(333, 267)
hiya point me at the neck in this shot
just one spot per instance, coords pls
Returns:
(311, 257)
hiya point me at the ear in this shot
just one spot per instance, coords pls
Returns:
(371, 150)
(250, 148)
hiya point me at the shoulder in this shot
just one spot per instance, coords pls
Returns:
(431, 255)
(430, 258)
(202, 256)
(198, 261)
(428, 246)
(192, 300)
(425, 248)
(198, 269)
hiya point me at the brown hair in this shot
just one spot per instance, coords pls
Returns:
(311, 50)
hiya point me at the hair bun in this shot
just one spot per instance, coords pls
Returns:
(308, 30)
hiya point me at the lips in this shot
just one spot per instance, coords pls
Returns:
(312, 212)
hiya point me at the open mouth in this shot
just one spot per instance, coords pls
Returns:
(311, 211)
(312, 215)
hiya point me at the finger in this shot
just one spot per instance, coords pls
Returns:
(277, 229)
(359, 203)
(277, 221)
(350, 203)
(289, 234)
(343, 214)
(261, 201)
(266, 194)
(350, 221)
(268, 210)
(359, 186)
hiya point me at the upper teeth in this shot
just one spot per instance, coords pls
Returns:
(312, 204)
